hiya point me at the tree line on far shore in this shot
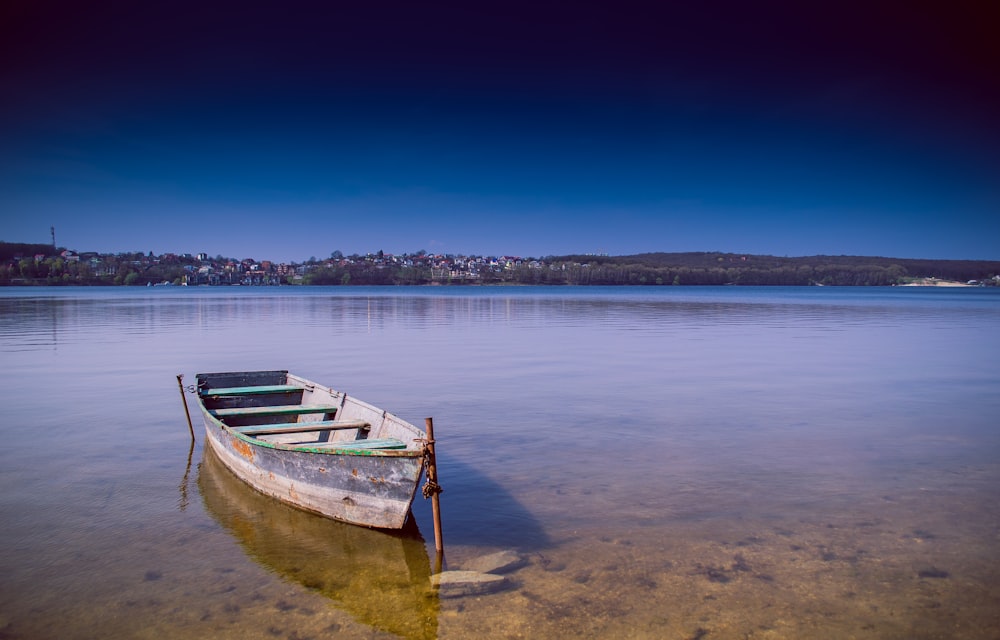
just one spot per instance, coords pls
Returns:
(19, 266)
(708, 268)
(670, 269)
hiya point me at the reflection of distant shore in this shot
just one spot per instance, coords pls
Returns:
(934, 282)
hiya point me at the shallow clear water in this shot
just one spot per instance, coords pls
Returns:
(671, 462)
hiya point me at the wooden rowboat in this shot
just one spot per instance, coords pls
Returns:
(312, 447)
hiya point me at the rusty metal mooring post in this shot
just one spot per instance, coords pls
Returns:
(180, 384)
(433, 487)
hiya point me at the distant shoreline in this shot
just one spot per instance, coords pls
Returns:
(44, 265)
(928, 282)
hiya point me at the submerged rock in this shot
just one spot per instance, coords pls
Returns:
(495, 562)
(933, 572)
(453, 584)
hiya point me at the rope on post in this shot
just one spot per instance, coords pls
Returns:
(431, 487)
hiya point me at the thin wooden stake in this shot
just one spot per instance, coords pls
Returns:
(432, 480)
(180, 384)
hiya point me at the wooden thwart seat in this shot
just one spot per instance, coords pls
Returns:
(250, 391)
(375, 443)
(276, 410)
(301, 427)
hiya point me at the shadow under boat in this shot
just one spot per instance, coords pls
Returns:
(381, 578)
(478, 511)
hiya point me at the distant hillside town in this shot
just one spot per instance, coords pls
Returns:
(41, 264)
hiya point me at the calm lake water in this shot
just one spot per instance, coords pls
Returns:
(669, 462)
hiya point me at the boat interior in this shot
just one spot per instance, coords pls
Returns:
(270, 407)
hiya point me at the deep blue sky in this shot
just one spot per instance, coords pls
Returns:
(289, 130)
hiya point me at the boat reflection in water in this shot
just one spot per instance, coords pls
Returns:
(380, 578)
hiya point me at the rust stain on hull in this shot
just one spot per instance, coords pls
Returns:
(243, 449)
